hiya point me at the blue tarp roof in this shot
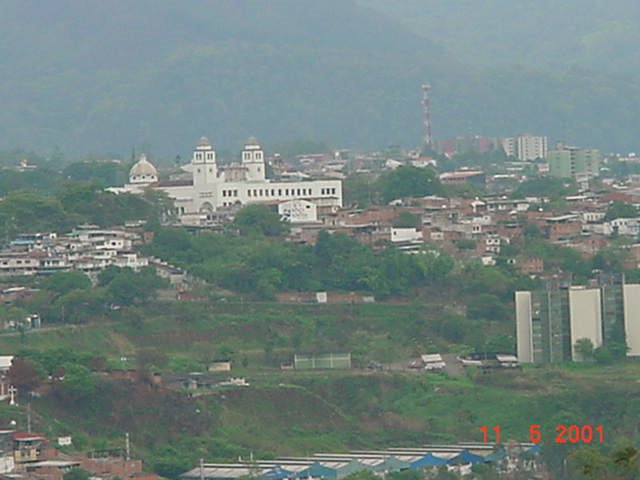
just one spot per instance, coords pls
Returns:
(495, 456)
(428, 460)
(466, 457)
(318, 470)
(535, 449)
(278, 473)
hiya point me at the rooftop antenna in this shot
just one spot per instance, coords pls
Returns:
(426, 109)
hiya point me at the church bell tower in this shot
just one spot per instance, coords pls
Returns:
(253, 161)
(205, 170)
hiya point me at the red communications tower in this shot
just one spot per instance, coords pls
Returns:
(426, 108)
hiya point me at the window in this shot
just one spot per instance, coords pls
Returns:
(224, 193)
(247, 156)
(235, 193)
(273, 192)
(279, 192)
(249, 192)
(258, 155)
(198, 170)
(210, 156)
(286, 192)
(198, 156)
(261, 192)
(211, 170)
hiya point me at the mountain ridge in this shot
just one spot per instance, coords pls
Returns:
(96, 77)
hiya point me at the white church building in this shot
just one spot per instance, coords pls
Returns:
(211, 189)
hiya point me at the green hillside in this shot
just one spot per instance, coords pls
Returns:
(106, 77)
(297, 413)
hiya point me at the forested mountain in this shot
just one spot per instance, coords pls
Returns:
(107, 76)
(589, 34)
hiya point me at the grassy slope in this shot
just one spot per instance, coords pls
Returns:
(295, 413)
(382, 331)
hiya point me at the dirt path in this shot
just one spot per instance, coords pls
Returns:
(453, 366)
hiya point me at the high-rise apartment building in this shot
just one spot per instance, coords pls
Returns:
(550, 321)
(526, 147)
(572, 162)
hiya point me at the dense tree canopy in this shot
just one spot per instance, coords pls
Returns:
(260, 219)
(256, 265)
(546, 187)
(620, 210)
(408, 181)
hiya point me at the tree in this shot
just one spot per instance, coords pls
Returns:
(64, 282)
(592, 464)
(546, 187)
(603, 355)
(78, 380)
(584, 348)
(407, 181)
(125, 286)
(23, 375)
(620, 210)
(80, 306)
(260, 219)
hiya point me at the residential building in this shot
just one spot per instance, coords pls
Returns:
(550, 321)
(526, 147)
(574, 162)
(87, 248)
(461, 177)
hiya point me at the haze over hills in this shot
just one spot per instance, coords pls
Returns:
(589, 34)
(97, 77)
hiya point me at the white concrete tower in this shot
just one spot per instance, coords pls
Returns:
(253, 161)
(205, 170)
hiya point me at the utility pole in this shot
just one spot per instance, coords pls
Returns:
(29, 414)
(426, 111)
(127, 447)
(201, 468)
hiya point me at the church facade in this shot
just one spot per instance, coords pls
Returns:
(243, 183)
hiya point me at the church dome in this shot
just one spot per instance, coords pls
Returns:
(253, 141)
(204, 142)
(143, 171)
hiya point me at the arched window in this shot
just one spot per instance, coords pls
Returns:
(258, 155)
